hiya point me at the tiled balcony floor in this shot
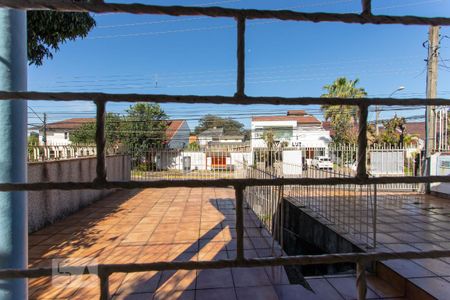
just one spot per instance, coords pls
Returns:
(167, 225)
(158, 225)
(405, 222)
(415, 222)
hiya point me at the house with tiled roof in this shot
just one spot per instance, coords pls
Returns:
(177, 134)
(217, 137)
(296, 129)
(58, 133)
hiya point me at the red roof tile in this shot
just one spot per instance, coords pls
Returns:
(416, 128)
(73, 123)
(70, 124)
(412, 128)
(172, 128)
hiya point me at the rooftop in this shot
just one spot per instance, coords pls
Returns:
(68, 124)
(300, 116)
(74, 123)
(172, 128)
(212, 132)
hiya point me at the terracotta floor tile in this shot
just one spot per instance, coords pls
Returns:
(260, 243)
(289, 292)
(174, 295)
(430, 236)
(436, 266)
(139, 283)
(248, 245)
(407, 268)
(277, 275)
(180, 248)
(382, 288)
(346, 286)
(245, 277)
(437, 287)
(139, 237)
(157, 225)
(160, 238)
(256, 293)
(207, 225)
(407, 237)
(177, 281)
(220, 278)
(215, 294)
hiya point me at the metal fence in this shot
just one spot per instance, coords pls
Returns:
(223, 162)
(266, 200)
(349, 209)
(382, 161)
(241, 15)
(182, 164)
(39, 153)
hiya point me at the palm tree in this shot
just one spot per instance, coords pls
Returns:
(342, 117)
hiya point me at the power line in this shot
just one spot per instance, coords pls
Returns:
(177, 20)
(236, 116)
(29, 107)
(184, 30)
(232, 71)
(211, 3)
(222, 82)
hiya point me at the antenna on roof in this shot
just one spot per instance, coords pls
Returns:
(156, 81)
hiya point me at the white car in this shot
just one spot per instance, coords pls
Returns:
(322, 162)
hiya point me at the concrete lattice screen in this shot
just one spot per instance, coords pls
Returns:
(241, 15)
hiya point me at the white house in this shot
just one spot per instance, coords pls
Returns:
(297, 129)
(216, 137)
(58, 133)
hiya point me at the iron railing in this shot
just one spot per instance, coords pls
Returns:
(241, 15)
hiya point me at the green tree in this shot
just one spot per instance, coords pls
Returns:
(48, 29)
(33, 139)
(394, 132)
(230, 126)
(194, 146)
(85, 135)
(269, 138)
(144, 128)
(273, 152)
(342, 117)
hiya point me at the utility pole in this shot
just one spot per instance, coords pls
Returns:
(44, 130)
(44, 137)
(432, 73)
(430, 129)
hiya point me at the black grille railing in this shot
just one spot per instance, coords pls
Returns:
(241, 15)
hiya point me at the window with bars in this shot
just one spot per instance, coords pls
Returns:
(240, 15)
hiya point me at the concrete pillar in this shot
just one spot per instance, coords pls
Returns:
(13, 149)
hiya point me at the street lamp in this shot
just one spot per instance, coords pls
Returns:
(377, 111)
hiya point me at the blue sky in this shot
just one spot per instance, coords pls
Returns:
(197, 55)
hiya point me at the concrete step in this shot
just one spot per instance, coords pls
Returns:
(344, 287)
(408, 288)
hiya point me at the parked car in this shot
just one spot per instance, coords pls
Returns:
(322, 162)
